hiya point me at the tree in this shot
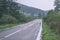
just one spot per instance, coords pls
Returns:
(57, 4)
(8, 19)
(9, 12)
(39, 16)
(8, 8)
(2, 7)
(4, 4)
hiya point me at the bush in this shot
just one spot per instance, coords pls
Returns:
(7, 19)
(48, 34)
(53, 19)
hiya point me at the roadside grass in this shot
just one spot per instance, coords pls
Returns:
(48, 34)
(7, 26)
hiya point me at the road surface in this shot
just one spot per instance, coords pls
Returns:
(27, 31)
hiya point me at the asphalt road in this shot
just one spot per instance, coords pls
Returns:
(27, 31)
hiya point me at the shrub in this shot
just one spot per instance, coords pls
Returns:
(53, 19)
(7, 19)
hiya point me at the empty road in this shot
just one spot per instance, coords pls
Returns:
(28, 31)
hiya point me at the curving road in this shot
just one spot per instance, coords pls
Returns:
(28, 31)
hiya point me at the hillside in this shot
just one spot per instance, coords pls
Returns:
(31, 10)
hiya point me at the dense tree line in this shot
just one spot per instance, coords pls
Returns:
(57, 4)
(53, 17)
(9, 12)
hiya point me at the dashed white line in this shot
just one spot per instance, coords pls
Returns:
(17, 31)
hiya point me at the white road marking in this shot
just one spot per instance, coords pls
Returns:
(17, 31)
(39, 37)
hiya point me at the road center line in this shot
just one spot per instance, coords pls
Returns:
(17, 31)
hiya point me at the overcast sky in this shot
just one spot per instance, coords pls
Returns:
(41, 4)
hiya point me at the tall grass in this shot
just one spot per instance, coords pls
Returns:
(48, 34)
(2, 27)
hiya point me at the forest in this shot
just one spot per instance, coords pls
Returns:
(53, 21)
(10, 14)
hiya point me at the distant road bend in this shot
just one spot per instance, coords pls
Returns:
(28, 31)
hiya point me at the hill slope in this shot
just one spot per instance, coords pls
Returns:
(31, 10)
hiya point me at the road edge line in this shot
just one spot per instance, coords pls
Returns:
(39, 37)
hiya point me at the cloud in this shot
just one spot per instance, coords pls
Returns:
(41, 4)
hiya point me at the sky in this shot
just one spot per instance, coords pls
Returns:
(41, 4)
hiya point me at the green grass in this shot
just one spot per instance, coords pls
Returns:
(48, 34)
(7, 26)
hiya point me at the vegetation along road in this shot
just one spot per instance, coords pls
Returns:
(28, 31)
